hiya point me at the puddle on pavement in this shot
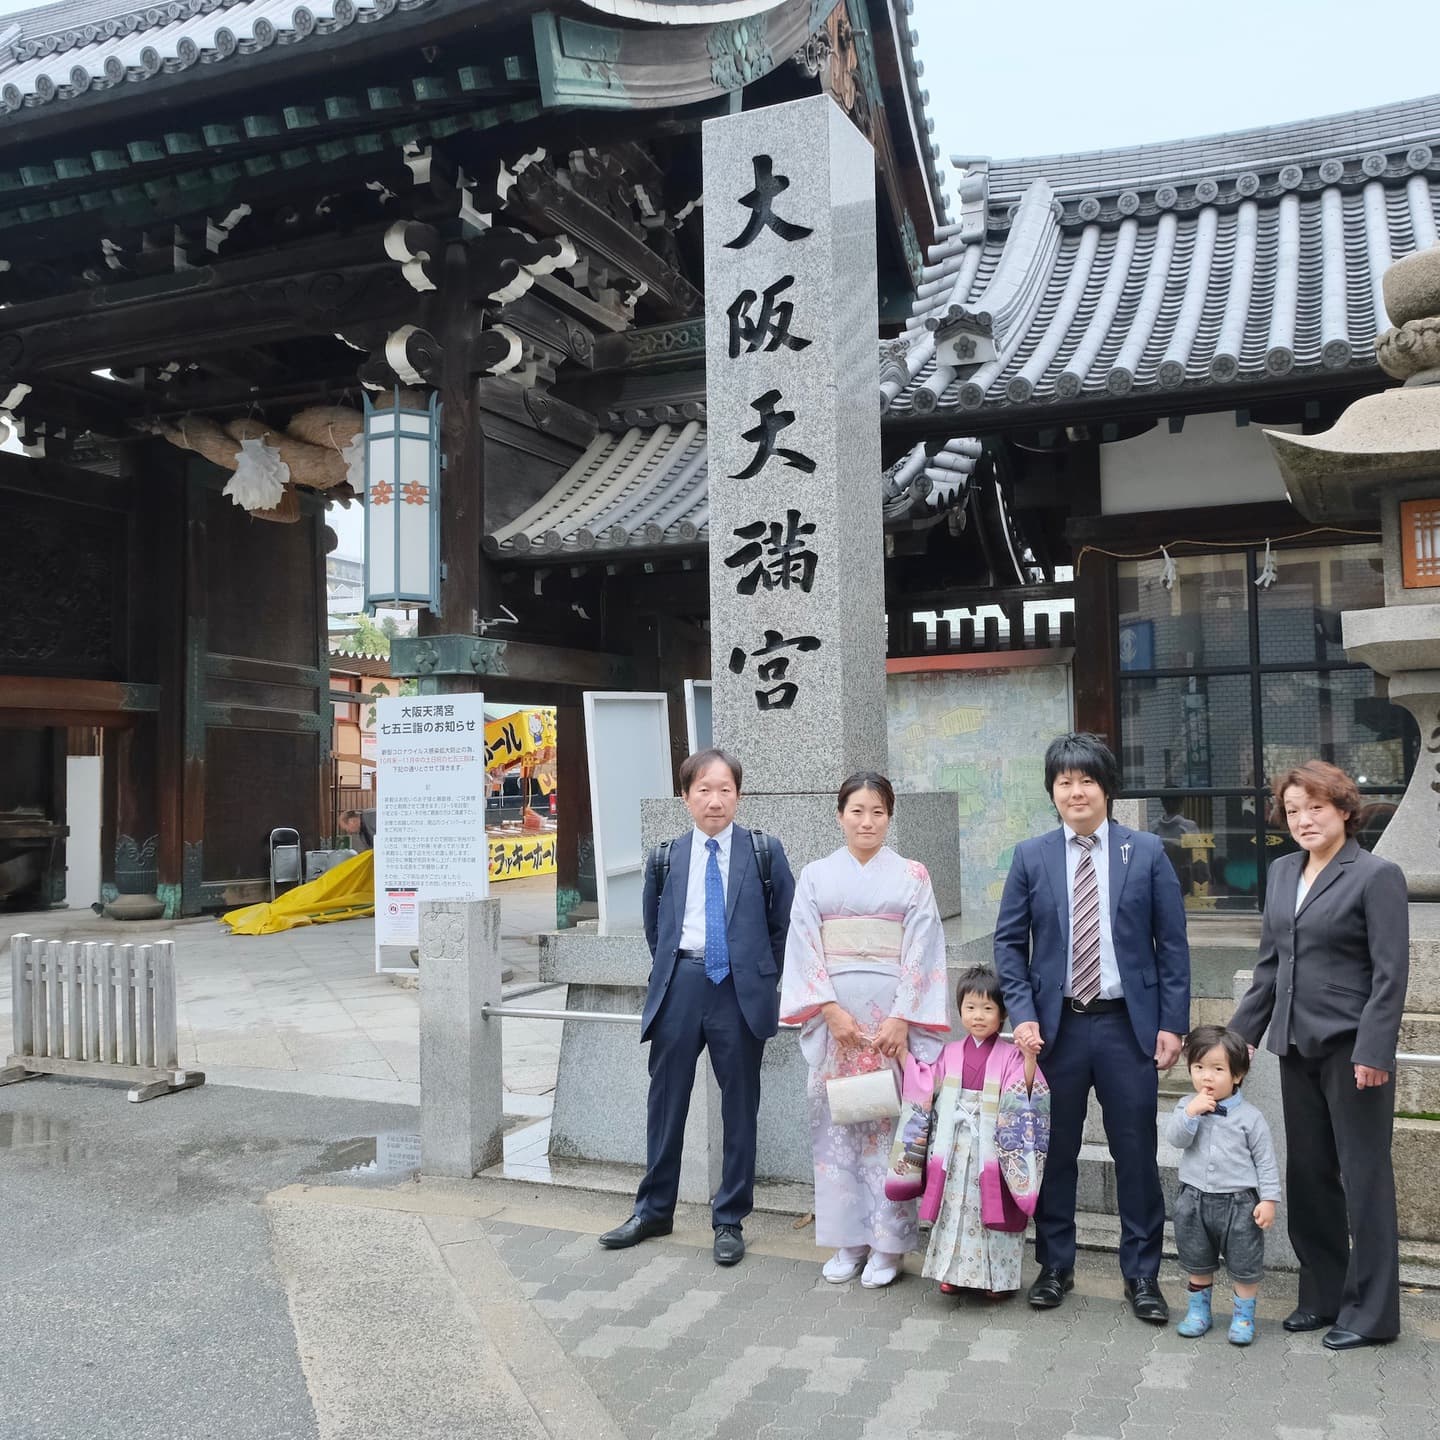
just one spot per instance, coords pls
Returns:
(391, 1152)
(49, 1142)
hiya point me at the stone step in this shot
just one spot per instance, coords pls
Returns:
(1094, 1133)
(1417, 1089)
(1096, 1191)
(1416, 1157)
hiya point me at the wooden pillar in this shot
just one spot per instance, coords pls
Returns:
(467, 586)
(1097, 644)
(576, 822)
(163, 516)
(191, 669)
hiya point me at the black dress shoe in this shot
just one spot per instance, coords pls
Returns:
(1146, 1300)
(1338, 1339)
(633, 1231)
(729, 1245)
(1050, 1286)
(1298, 1321)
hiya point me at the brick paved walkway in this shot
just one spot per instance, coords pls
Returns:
(677, 1348)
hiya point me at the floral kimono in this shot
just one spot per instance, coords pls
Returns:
(867, 937)
(987, 1155)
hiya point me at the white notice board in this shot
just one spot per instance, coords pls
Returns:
(430, 815)
(699, 728)
(627, 735)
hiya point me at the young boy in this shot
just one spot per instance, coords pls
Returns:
(1229, 1181)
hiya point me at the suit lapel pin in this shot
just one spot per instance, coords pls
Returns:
(1125, 853)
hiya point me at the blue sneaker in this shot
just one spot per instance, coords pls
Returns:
(1242, 1322)
(1197, 1318)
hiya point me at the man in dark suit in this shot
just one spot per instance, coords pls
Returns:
(1091, 951)
(1330, 985)
(716, 932)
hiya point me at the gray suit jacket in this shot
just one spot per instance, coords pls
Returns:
(1332, 976)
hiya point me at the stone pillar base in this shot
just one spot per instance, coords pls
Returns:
(462, 1123)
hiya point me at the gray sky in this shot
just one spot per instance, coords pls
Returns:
(1033, 77)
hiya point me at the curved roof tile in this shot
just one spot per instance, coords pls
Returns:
(649, 487)
(65, 50)
(1258, 263)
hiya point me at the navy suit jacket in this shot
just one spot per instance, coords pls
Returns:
(1147, 926)
(757, 939)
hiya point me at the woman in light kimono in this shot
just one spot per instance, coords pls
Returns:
(865, 978)
(990, 1133)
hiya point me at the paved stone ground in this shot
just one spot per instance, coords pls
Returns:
(304, 1012)
(226, 1264)
(677, 1348)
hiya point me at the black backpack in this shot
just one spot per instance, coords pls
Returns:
(657, 865)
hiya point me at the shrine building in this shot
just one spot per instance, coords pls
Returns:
(235, 236)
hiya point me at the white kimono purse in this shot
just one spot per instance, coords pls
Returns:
(855, 1099)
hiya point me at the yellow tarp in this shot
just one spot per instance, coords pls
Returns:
(343, 893)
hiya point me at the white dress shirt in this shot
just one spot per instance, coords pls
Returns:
(692, 932)
(1110, 986)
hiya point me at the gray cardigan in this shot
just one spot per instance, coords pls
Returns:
(1221, 1154)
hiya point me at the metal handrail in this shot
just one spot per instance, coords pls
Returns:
(525, 1012)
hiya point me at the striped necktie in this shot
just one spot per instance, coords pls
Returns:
(1085, 926)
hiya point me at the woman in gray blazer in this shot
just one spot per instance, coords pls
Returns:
(1330, 984)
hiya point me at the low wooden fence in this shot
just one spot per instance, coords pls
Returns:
(97, 1010)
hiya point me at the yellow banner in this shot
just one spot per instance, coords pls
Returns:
(508, 740)
(517, 737)
(513, 856)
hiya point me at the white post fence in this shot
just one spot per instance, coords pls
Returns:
(96, 1010)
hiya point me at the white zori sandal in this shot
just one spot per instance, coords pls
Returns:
(845, 1264)
(881, 1270)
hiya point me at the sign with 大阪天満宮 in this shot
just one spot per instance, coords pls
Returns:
(430, 814)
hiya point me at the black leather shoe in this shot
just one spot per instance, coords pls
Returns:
(1146, 1300)
(1050, 1287)
(633, 1231)
(1338, 1339)
(1298, 1321)
(729, 1245)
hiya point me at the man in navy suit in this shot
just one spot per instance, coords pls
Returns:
(1091, 951)
(716, 933)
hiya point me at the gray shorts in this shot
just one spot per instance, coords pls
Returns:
(1208, 1227)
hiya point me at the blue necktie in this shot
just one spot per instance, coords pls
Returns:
(717, 947)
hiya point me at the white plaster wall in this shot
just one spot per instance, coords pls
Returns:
(1212, 461)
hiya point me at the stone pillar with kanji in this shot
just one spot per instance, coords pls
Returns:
(797, 577)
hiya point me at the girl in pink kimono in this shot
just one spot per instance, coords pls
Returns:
(865, 978)
(990, 1131)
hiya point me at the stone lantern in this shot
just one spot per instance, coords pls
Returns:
(1381, 461)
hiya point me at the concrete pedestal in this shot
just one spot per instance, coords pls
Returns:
(462, 1121)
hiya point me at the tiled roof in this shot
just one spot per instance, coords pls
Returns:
(1169, 267)
(64, 50)
(650, 487)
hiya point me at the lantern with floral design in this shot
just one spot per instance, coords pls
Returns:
(402, 502)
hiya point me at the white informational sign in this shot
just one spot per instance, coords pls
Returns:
(627, 737)
(430, 815)
(699, 730)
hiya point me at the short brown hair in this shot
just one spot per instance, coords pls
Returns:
(867, 780)
(1323, 781)
(692, 765)
(1204, 1038)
